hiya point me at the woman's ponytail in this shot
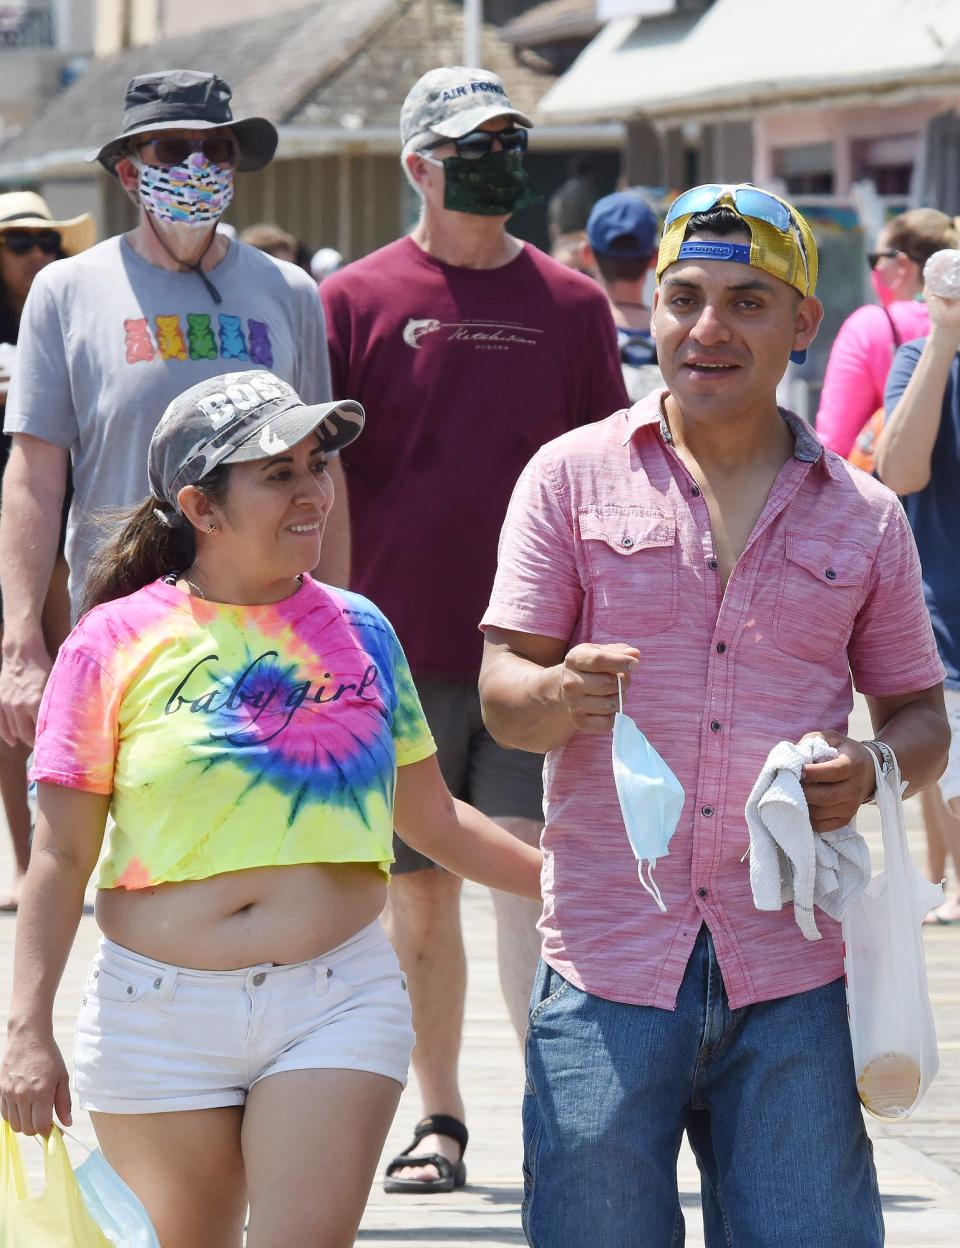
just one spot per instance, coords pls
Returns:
(147, 543)
(143, 549)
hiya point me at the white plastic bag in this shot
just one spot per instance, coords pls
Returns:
(891, 1022)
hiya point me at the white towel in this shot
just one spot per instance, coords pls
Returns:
(788, 860)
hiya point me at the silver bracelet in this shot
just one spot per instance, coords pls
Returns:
(885, 756)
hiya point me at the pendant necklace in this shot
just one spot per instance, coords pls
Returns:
(196, 588)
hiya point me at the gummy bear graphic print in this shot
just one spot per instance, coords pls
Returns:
(233, 737)
(196, 336)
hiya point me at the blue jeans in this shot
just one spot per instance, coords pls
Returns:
(766, 1094)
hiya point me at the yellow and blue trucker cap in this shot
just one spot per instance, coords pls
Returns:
(781, 241)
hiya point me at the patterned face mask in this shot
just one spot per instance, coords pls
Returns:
(196, 193)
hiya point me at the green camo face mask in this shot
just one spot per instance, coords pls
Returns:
(496, 185)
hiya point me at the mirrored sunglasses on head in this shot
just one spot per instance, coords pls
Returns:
(480, 142)
(219, 149)
(22, 242)
(749, 201)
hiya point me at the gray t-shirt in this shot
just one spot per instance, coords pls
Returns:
(107, 340)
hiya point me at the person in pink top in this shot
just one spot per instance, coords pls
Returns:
(704, 551)
(864, 348)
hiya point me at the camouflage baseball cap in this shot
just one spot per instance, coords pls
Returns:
(233, 418)
(453, 101)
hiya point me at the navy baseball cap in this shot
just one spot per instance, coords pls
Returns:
(624, 217)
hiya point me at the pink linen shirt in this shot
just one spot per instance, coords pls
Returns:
(608, 539)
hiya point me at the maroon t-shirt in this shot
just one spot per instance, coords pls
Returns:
(464, 374)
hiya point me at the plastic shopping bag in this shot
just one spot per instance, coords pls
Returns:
(891, 1022)
(116, 1209)
(58, 1217)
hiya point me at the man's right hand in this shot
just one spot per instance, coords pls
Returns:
(588, 683)
(22, 677)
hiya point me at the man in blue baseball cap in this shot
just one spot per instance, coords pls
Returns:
(621, 244)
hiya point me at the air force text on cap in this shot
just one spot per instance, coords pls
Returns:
(471, 88)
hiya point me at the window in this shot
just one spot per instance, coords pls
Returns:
(888, 162)
(806, 169)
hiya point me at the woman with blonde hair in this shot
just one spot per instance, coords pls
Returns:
(256, 735)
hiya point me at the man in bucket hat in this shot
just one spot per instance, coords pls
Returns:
(737, 578)
(110, 336)
(468, 350)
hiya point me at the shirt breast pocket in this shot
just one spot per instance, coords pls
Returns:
(631, 556)
(821, 589)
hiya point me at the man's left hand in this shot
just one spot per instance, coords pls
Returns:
(836, 789)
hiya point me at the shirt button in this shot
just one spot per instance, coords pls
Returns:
(695, 491)
(627, 542)
(721, 647)
(716, 726)
(701, 892)
(713, 564)
(258, 979)
(706, 810)
(830, 574)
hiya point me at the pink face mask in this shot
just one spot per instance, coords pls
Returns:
(881, 289)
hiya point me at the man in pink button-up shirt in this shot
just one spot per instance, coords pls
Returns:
(705, 547)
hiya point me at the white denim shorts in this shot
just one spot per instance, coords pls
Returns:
(154, 1038)
(950, 780)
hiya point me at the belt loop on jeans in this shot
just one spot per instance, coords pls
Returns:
(322, 974)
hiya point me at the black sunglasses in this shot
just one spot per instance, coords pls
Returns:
(874, 257)
(219, 149)
(480, 142)
(22, 242)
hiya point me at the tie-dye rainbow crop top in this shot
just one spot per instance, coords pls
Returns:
(233, 737)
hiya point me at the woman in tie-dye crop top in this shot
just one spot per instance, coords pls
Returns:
(232, 737)
(256, 737)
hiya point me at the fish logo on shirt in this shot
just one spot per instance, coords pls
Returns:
(489, 335)
(414, 330)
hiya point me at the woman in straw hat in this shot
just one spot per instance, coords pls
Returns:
(30, 239)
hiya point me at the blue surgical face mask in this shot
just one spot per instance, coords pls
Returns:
(651, 796)
(113, 1206)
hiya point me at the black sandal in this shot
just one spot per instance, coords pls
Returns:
(450, 1174)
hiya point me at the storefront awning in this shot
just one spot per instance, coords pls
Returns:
(744, 54)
